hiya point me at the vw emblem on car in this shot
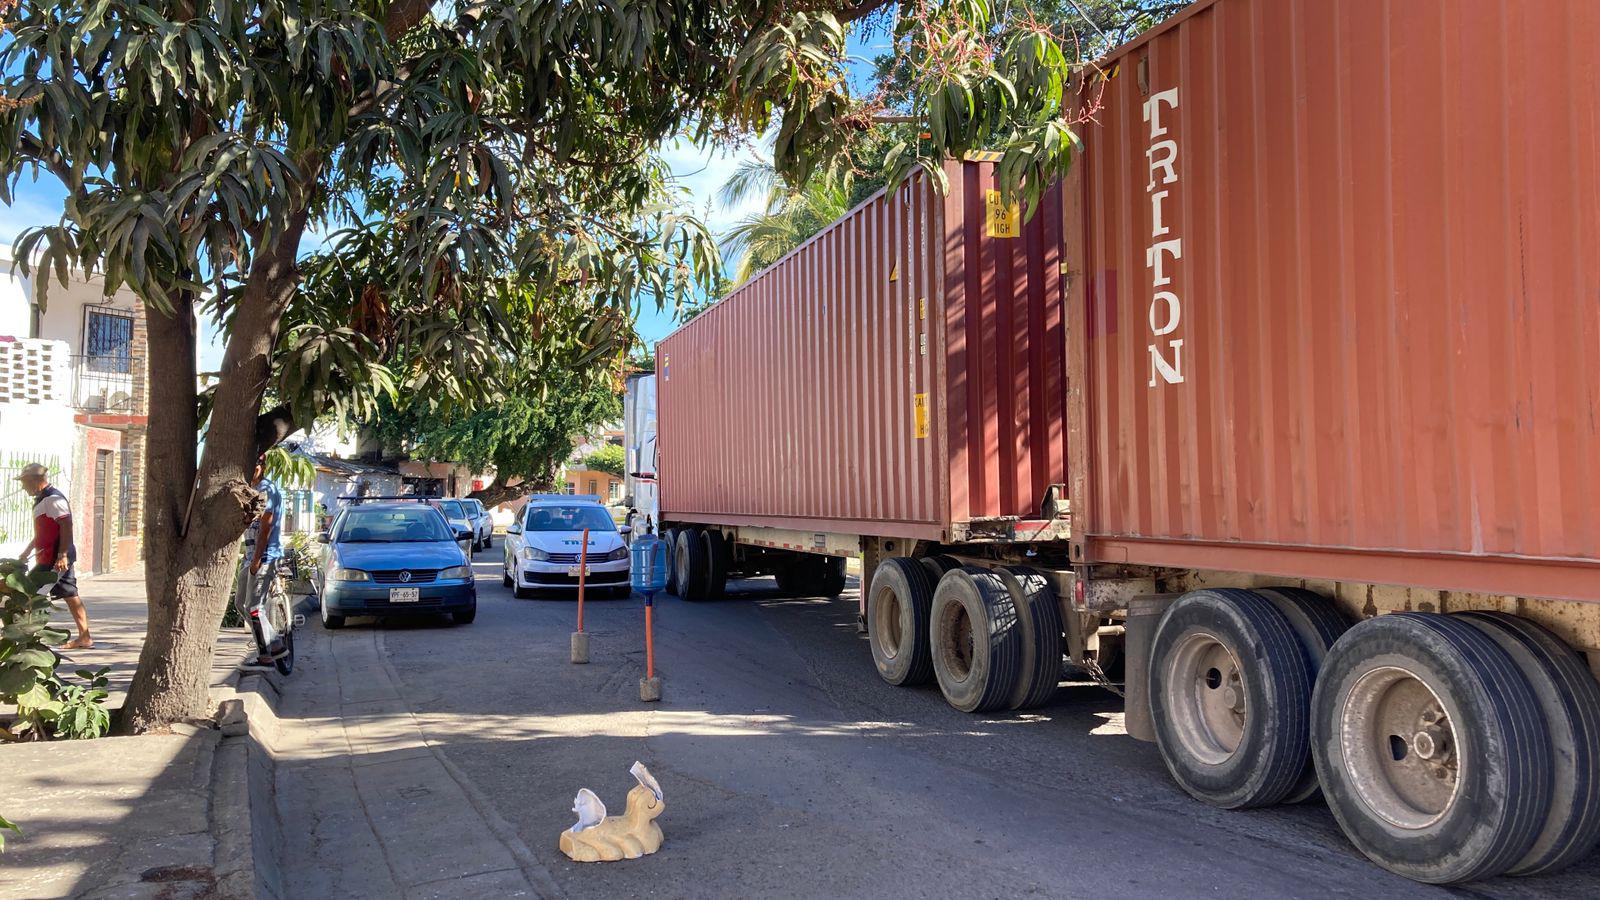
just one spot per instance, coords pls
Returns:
(405, 575)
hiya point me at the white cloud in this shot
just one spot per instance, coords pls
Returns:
(702, 171)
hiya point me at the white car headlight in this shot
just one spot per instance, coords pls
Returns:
(534, 553)
(457, 572)
(617, 554)
(342, 574)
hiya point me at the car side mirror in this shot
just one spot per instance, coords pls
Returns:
(513, 528)
(625, 529)
(322, 537)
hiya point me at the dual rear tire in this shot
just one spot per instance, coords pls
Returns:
(1450, 748)
(701, 559)
(1454, 748)
(1230, 692)
(990, 638)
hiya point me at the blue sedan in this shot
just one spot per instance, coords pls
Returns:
(395, 559)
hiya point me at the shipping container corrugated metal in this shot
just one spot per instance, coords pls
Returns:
(1378, 242)
(901, 374)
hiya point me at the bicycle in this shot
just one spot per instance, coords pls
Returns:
(280, 617)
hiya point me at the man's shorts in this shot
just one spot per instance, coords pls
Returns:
(66, 584)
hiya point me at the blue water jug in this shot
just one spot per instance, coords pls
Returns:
(649, 558)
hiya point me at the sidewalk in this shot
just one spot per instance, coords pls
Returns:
(121, 816)
(370, 807)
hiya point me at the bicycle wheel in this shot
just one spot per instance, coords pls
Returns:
(283, 623)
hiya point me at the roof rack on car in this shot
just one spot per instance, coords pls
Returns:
(576, 498)
(374, 499)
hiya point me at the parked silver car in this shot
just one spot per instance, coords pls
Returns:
(482, 524)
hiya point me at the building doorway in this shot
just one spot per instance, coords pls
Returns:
(102, 510)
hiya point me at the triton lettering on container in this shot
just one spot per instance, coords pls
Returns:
(1303, 357)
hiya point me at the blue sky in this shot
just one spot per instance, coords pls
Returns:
(701, 171)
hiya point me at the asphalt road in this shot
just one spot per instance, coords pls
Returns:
(790, 769)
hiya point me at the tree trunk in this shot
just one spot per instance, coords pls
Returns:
(195, 515)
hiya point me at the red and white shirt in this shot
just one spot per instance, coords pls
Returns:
(49, 508)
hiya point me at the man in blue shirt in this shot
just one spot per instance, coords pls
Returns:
(259, 566)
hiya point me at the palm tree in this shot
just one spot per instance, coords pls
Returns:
(789, 216)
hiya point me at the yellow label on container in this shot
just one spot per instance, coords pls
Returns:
(1005, 220)
(919, 409)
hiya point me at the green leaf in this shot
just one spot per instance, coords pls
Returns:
(39, 659)
(16, 680)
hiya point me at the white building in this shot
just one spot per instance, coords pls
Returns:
(73, 384)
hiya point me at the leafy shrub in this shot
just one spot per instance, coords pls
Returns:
(47, 705)
(300, 551)
(79, 710)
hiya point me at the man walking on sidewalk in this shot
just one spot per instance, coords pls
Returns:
(53, 547)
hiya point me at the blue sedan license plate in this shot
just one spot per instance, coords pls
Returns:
(405, 595)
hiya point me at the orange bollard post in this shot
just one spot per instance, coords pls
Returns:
(649, 685)
(649, 640)
(580, 641)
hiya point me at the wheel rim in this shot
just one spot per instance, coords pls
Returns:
(1206, 698)
(886, 607)
(956, 647)
(1400, 748)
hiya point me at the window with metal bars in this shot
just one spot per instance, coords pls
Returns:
(108, 341)
(126, 480)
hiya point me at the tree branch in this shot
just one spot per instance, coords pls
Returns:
(860, 10)
(273, 426)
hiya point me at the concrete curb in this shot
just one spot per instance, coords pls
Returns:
(244, 811)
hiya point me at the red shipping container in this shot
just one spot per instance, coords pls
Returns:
(901, 374)
(1341, 312)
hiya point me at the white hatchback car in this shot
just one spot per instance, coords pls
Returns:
(544, 545)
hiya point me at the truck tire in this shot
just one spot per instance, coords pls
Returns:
(938, 565)
(1040, 617)
(1229, 696)
(717, 556)
(899, 608)
(975, 640)
(669, 536)
(1570, 698)
(1431, 747)
(692, 565)
(791, 576)
(810, 575)
(829, 576)
(1318, 623)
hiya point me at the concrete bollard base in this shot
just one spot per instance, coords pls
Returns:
(580, 647)
(650, 689)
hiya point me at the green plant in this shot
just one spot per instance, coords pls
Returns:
(7, 825)
(26, 660)
(302, 556)
(77, 712)
(289, 470)
(48, 706)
